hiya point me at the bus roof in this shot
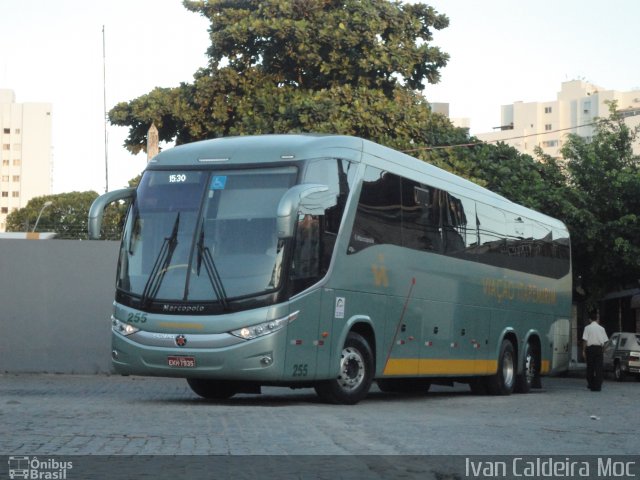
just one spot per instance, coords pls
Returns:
(276, 148)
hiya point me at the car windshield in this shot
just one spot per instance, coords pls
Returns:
(203, 236)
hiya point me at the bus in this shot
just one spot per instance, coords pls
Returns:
(332, 262)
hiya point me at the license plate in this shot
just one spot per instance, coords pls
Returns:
(181, 362)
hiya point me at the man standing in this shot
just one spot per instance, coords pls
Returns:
(593, 339)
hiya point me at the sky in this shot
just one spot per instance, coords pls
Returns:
(501, 51)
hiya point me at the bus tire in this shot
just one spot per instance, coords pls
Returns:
(502, 383)
(527, 380)
(212, 389)
(355, 376)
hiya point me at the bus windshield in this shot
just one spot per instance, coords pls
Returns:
(204, 236)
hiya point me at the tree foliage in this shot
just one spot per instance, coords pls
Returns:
(279, 66)
(67, 215)
(603, 176)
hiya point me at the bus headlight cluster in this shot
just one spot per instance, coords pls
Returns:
(122, 328)
(262, 329)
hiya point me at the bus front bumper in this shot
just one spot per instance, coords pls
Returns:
(220, 356)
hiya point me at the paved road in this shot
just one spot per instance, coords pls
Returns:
(67, 417)
(64, 415)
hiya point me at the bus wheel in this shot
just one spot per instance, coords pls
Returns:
(212, 389)
(530, 371)
(503, 381)
(356, 373)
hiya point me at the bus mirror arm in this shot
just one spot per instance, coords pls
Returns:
(309, 198)
(96, 212)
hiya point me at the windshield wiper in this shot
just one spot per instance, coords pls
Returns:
(204, 256)
(163, 260)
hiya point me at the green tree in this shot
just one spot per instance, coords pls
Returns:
(604, 177)
(278, 66)
(67, 215)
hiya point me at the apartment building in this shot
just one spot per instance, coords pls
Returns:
(526, 125)
(25, 136)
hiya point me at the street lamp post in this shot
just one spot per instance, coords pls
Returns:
(46, 204)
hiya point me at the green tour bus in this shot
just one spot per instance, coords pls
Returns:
(331, 262)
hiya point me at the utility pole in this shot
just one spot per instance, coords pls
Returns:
(104, 94)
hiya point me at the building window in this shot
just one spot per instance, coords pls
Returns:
(7, 130)
(5, 146)
(4, 210)
(547, 109)
(16, 178)
(547, 127)
(17, 162)
(5, 194)
(5, 163)
(550, 143)
(17, 131)
(15, 194)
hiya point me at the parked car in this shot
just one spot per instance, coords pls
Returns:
(622, 355)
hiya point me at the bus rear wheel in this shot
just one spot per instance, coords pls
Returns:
(530, 375)
(212, 389)
(502, 383)
(355, 376)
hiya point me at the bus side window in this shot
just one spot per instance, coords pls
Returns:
(421, 229)
(305, 268)
(378, 219)
(316, 234)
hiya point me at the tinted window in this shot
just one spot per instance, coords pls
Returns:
(420, 217)
(316, 234)
(518, 243)
(399, 211)
(378, 219)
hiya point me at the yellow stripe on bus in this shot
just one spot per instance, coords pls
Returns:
(417, 366)
(414, 366)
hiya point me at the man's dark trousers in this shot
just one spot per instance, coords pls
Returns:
(595, 372)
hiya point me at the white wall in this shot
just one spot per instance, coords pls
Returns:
(56, 300)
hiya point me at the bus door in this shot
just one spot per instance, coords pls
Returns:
(302, 337)
(333, 309)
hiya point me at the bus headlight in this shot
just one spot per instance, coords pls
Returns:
(122, 328)
(262, 329)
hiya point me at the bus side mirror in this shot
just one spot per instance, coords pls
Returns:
(97, 209)
(307, 198)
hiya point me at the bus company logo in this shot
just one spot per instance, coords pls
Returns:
(36, 469)
(172, 308)
(181, 340)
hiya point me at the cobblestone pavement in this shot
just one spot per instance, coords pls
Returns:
(112, 415)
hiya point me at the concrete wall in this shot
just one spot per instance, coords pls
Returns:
(56, 299)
